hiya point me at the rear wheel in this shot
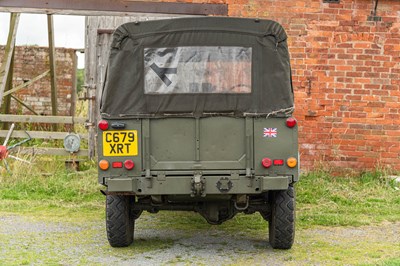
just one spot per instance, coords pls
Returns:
(282, 219)
(120, 222)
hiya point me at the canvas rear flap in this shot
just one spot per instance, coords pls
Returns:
(198, 67)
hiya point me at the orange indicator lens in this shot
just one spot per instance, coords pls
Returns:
(103, 164)
(291, 162)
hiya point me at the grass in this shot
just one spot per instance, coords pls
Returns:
(321, 198)
(49, 193)
(353, 201)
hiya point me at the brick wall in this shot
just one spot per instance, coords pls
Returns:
(31, 61)
(346, 77)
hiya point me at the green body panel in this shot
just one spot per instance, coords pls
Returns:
(181, 185)
(207, 143)
(172, 151)
(208, 101)
(283, 146)
(203, 108)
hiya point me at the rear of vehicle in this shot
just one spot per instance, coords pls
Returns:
(197, 117)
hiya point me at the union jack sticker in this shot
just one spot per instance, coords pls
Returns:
(270, 132)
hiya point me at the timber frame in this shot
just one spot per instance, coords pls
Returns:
(73, 7)
(106, 8)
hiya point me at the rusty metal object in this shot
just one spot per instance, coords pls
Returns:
(5, 150)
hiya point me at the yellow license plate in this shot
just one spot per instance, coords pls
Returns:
(120, 143)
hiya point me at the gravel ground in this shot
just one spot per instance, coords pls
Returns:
(27, 240)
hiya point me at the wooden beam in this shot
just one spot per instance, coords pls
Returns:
(107, 8)
(9, 85)
(18, 100)
(48, 151)
(6, 63)
(26, 84)
(39, 134)
(42, 119)
(52, 63)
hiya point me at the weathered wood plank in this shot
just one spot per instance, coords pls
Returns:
(24, 104)
(48, 135)
(26, 84)
(42, 119)
(8, 53)
(53, 71)
(8, 87)
(104, 7)
(48, 151)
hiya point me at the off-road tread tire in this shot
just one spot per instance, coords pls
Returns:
(282, 219)
(120, 224)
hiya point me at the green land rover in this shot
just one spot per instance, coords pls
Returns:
(197, 116)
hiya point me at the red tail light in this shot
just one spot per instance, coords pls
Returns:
(266, 162)
(103, 124)
(279, 162)
(129, 164)
(117, 164)
(291, 122)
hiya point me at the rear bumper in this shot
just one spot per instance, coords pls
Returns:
(196, 185)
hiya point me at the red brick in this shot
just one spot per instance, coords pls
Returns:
(31, 61)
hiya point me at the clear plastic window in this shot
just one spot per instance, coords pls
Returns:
(197, 69)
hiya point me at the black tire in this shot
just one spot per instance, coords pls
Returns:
(282, 219)
(120, 223)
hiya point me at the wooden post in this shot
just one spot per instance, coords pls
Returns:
(90, 81)
(52, 62)
(8, 53)
(74, 89)
(9, 85)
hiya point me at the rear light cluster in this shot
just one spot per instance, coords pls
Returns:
(104, 164)
(267, 162)
(128, 165)
(290, 162)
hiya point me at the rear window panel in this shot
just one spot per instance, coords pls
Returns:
(197, 69)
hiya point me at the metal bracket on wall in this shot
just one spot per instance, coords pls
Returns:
(373, 16)
(332, 1)
(89, 95)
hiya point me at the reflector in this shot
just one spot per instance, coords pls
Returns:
(266, 162)
(129, 164)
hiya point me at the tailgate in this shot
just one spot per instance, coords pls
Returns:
(213, 143)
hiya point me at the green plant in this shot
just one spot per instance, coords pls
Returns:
(80, 79)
